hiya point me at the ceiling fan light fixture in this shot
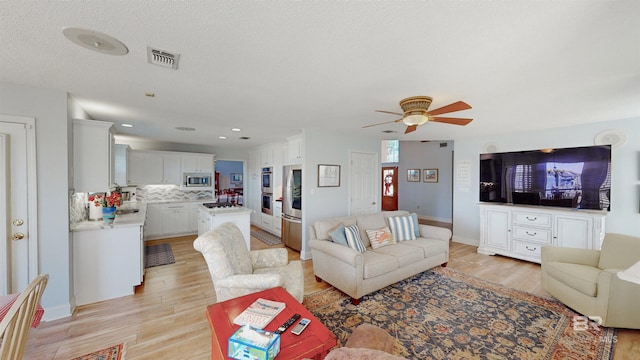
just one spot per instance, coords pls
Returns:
(415, 119)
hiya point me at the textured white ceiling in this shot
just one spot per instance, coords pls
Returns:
(275, 67)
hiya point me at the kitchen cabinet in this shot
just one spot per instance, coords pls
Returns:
(175, 218)
(135, 159)
(172, 169)
(152, 168)
(295, 149)
(120, 164)
(193, 217)
(522, 231)
(107, 263)
(212, 218)
(197, 163)
(153, 223)
(93, 155)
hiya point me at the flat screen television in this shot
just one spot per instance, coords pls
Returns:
(576, 177)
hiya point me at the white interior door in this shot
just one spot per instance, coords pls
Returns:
(18, 245)
(364, 184)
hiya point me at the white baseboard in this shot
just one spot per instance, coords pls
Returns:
(433, 218)
(463, 240)
(57, 312)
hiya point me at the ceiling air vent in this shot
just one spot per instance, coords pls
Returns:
(162, 58)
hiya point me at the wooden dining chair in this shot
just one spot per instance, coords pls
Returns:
(15, 326)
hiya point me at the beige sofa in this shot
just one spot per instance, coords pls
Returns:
(358, 274)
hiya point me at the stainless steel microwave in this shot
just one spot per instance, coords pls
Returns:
(197, 180)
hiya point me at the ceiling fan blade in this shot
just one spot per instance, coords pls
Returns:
(411, 128)
(382, 123)
(448, 120)
(390, 112)
(456, 106)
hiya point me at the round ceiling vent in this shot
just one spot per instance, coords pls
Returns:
(95, 41)
(615, 138)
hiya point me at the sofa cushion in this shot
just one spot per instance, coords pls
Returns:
(323, 227)
(369, 222)
(380, 237)
(376, 263)
(583, 278)
(402, 227)
(353, 238)
(429, 247)
(405, 254)
(338, 236)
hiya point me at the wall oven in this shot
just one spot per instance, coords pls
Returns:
(267, 203)
(267, 180)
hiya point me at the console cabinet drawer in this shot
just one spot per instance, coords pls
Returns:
(527, 249)
(532, 234)
(531, 218)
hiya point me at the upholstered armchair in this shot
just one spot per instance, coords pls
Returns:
(237, 271)
(587, 280)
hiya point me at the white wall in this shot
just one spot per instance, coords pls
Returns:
(625, 172)
(49, 108)
(333, 148)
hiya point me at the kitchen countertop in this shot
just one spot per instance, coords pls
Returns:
(122, 220)
(225, 210)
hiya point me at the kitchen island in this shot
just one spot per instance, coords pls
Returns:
(108, 259)
(212, 215)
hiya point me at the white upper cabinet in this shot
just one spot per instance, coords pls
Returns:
(93, 165)
(150, 167)
(197, 163)
(120, 160)
(295, 149)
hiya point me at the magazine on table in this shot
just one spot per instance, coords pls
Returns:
(260, 313)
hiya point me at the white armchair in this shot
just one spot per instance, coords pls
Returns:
(236, 271)
(586, 280)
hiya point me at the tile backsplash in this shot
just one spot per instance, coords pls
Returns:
(147, 193)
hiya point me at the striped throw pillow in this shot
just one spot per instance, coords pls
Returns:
(402, 227)
(353, 238)
(380, 237)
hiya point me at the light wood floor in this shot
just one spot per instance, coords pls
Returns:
(165, 319)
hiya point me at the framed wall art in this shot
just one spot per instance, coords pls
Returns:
(236, 178)
(413, 175)
(430, 175)
(328, 175)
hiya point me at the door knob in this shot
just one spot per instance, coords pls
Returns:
(18, 222)
(17, 236)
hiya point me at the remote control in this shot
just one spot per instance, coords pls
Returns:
(287, 323)
(298, 329)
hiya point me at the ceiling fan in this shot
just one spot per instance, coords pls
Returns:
(416, 114)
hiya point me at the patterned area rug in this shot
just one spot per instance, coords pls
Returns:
(115, 352)
(157, 255)
(266, 237)
(444, 314)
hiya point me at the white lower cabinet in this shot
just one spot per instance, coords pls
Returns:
(521, 231)
(210, 219)
(107, 263)
(171, 219)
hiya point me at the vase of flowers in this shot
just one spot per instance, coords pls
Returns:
(109, 203)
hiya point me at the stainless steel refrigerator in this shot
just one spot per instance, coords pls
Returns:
(292, 206)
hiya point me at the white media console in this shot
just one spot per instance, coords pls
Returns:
(520, 231)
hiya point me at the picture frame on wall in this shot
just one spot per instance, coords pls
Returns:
(413, 175)
(236, 178)
(328, 175)
(430, 175)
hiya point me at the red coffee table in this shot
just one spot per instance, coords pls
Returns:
(314, 343)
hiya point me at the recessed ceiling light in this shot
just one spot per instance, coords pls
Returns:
(222, 137)
(127, 125)
(236, 129)
(95, 40)
(185, 128)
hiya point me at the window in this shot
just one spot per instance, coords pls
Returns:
(390, 151)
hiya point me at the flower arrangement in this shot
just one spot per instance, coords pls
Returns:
(113, 199)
